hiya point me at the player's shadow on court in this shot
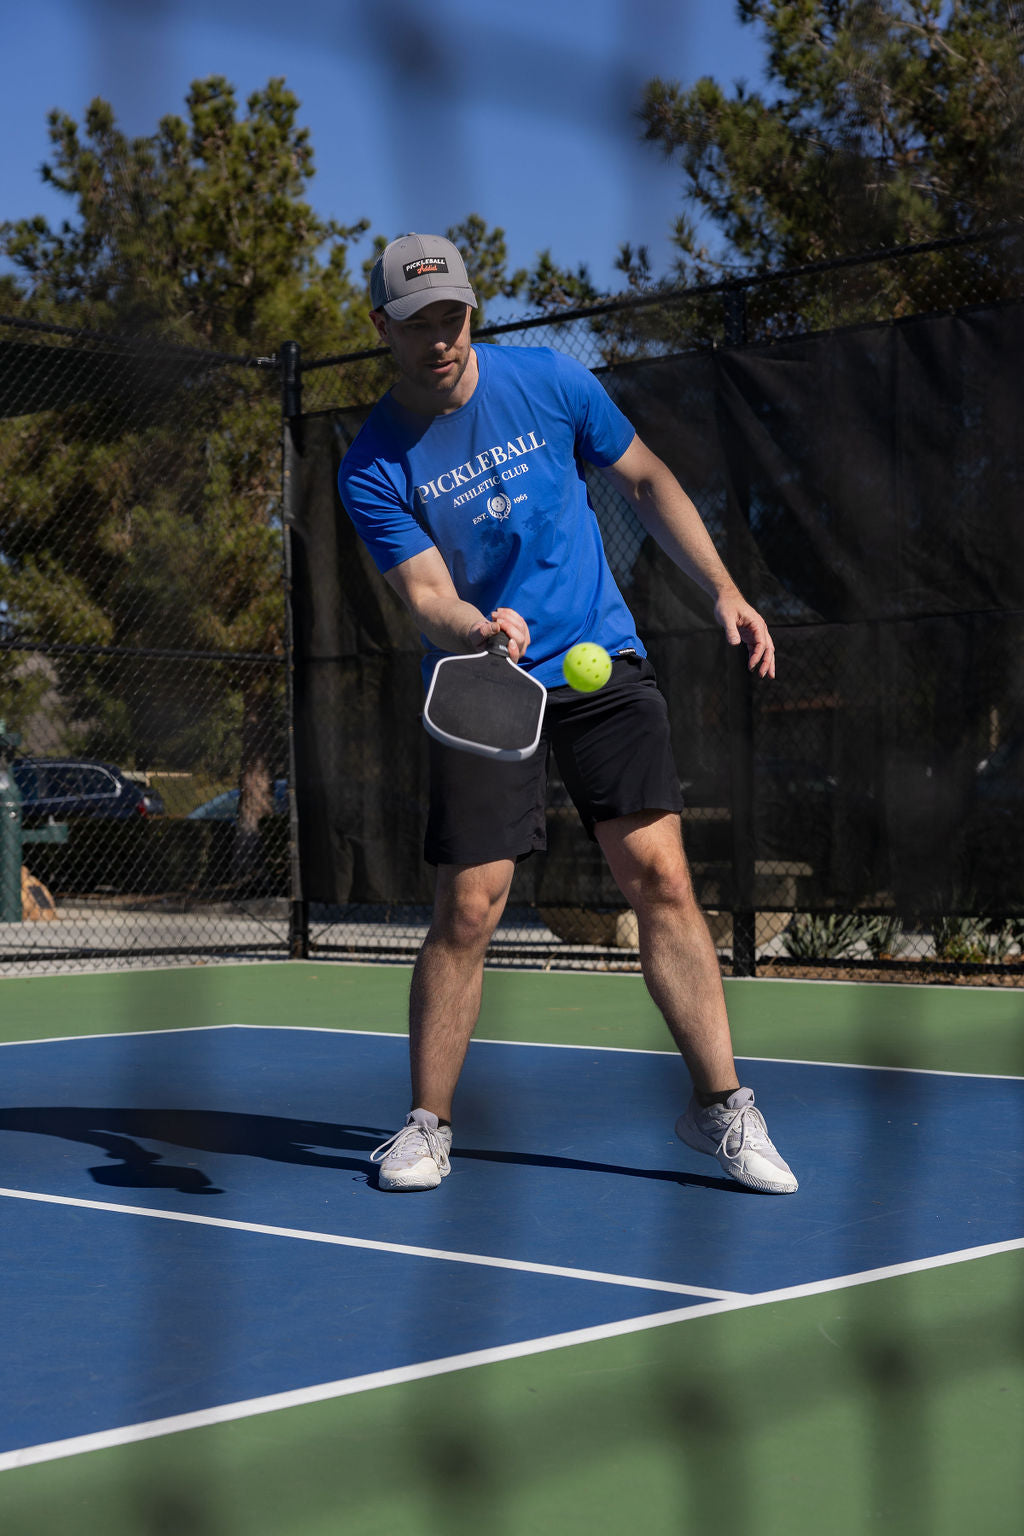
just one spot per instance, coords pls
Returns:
(579, 1164)
(120, 1134)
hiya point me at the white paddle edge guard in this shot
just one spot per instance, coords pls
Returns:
(496, 754)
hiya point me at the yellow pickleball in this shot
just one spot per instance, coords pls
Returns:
(587, 667)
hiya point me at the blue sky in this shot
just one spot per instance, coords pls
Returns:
(419, 113)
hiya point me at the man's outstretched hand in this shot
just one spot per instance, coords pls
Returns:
(743, 625)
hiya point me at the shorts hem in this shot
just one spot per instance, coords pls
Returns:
(636, 810)
(436, 861)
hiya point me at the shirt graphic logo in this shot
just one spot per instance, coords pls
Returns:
(499, 506)
(499, 458)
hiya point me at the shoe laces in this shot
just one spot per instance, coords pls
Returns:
(411, 1141)
(748, 1123)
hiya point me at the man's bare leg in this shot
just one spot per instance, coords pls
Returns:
(681, 971)
(677, 956)
(447, 979)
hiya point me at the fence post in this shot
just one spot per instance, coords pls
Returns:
(739, 689)
(290, 362)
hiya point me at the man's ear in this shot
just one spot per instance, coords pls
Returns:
(380, 323)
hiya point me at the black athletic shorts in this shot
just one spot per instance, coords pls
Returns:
(613, 752)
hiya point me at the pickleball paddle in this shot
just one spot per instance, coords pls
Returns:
(486, 704)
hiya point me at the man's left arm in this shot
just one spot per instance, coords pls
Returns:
(669, 516)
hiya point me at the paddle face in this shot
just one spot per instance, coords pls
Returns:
(485, 704)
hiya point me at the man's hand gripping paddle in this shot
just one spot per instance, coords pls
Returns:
(485, 703)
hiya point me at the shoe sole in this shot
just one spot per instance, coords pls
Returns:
(698, 1143)
(762, 1189)
(409, 1182)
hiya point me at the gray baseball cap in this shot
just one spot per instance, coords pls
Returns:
(416, 270)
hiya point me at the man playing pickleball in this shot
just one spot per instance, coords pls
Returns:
(466, 486)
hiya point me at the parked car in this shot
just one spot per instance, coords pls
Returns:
(224, 807)
(66, 788)
(257, 868)
(111, 821)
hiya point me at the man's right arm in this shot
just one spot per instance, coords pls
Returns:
(425, 586)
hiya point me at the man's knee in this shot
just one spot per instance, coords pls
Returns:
(648, 860)
(469, 923)
(664, 882)
(468, 907)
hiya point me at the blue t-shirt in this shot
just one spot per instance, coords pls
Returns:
(497, 487)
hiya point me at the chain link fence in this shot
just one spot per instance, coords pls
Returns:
(142, 665)
(841, 823)
(146, 691)
(876, 288)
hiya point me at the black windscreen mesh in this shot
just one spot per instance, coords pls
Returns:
(865, 489)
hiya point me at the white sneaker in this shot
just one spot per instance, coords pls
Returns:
(736, 1134)
(416, 1157)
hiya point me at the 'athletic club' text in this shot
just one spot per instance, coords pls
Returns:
(465, 474)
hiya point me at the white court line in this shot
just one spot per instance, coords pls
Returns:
(248, 963)
(132, 1034)
(546, 1045)
(406, 1249)
(325, 1391)
(863, 1066)
(785, 1061)
(625, 1050)
(720, 1302)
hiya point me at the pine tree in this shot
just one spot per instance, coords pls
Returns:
(883, 122)
(145, 512)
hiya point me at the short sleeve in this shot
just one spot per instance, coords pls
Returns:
(603, 433)
(380, 516)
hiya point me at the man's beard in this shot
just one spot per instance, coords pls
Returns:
(445, 386)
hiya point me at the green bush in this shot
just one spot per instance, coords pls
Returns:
(976, 940)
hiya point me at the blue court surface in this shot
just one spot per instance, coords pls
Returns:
(565, 1168)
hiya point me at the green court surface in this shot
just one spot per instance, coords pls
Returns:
(894, 1406)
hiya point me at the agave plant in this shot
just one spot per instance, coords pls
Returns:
(883, 936)
(811, 936)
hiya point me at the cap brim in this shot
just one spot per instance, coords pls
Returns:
(401, 309)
